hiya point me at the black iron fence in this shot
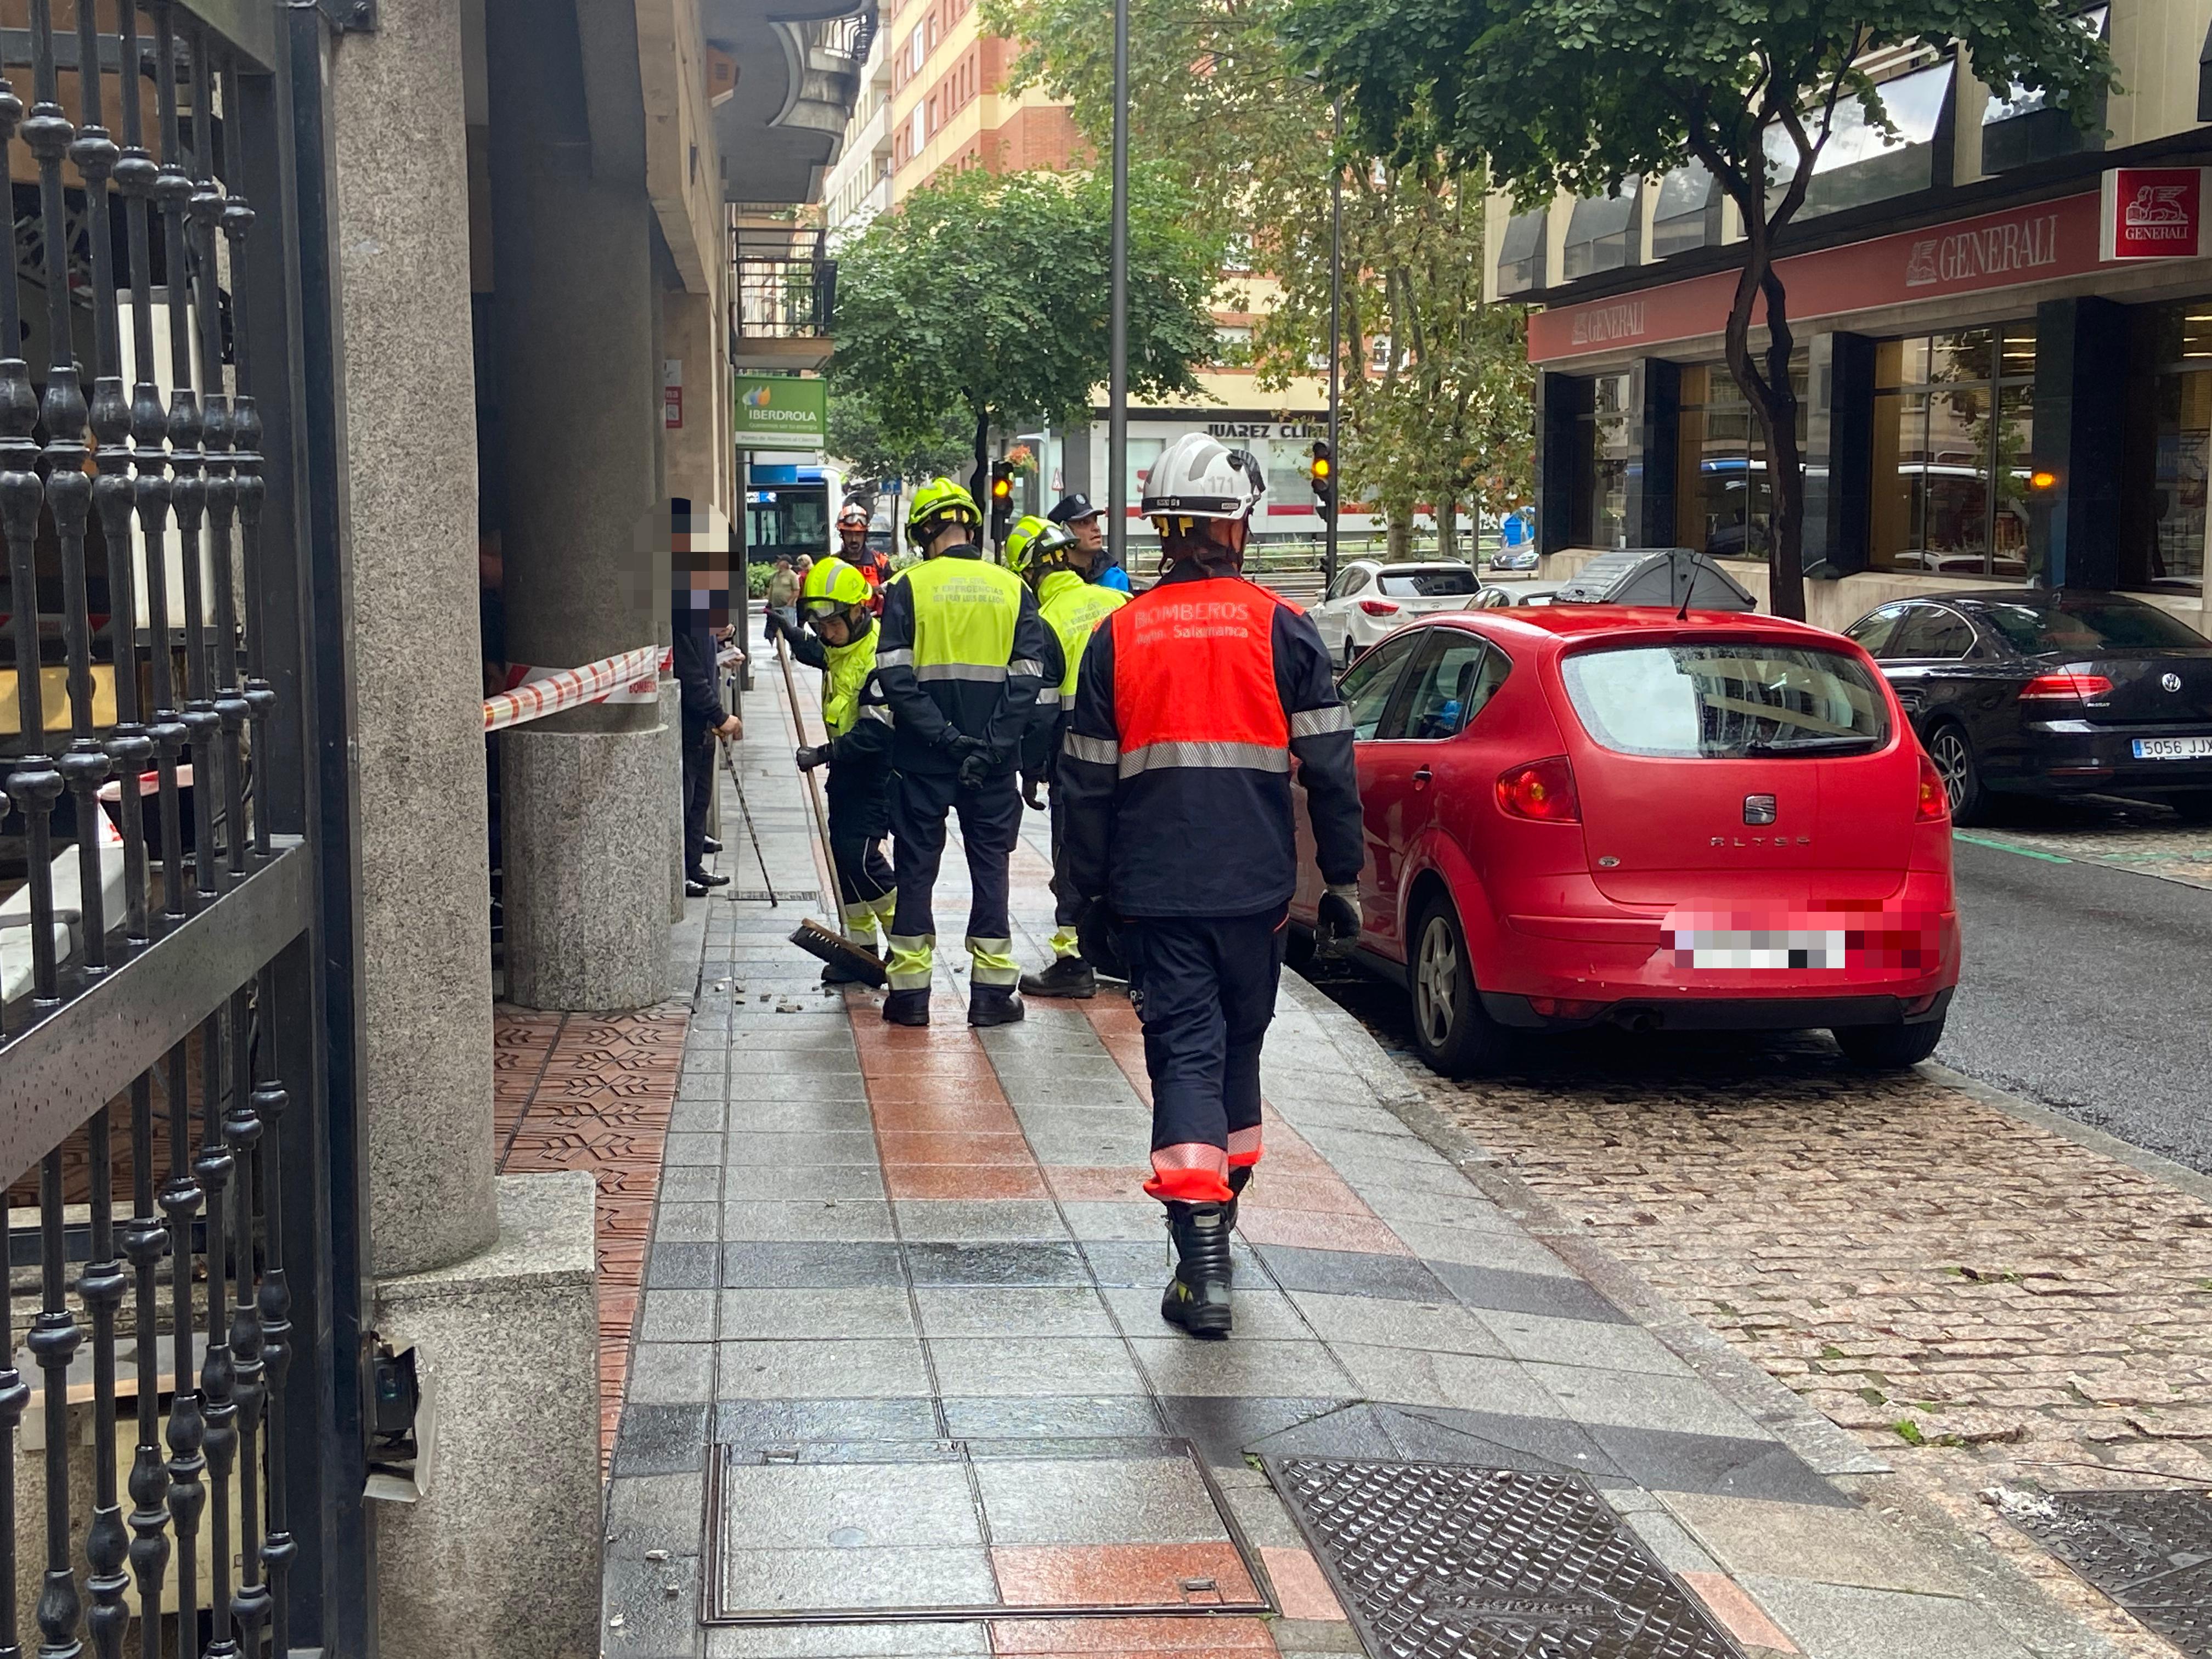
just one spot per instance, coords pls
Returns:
(786, 284)
(185, 1264)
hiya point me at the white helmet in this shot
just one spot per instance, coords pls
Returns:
(1197, 477)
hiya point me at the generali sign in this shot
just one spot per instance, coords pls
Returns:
(1997, 250)
(2153, 213)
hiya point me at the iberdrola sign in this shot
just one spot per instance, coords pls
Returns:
(778, 411)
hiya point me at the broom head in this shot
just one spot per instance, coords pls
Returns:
(839, 952)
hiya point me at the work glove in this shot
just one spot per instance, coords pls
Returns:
(1032, 791)
(1098, 936)
(772, 624)
(808, 759)
(1336, 929)
(975, 767)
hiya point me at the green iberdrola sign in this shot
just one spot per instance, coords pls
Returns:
(776, 412)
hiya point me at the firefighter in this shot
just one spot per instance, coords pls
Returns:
(1061, 570)
(839, 638)
(1196, 702)
(852, 548)
(961, 661)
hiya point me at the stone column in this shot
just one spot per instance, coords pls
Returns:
(425, 973)
(584, 794)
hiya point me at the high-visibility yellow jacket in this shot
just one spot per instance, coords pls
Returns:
(963, 655)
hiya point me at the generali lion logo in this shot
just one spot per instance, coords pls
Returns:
(2158, 213)
(1920, 264)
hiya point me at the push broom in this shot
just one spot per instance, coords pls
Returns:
(829, 942)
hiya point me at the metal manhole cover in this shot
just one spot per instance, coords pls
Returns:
(852, 1532)
(2151, 1552)
(1445, 1561)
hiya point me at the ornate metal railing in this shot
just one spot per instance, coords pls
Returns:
(163, 1112)
(786, 284)
(843, 37)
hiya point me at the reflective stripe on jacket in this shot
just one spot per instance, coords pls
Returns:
(961, 654)
(1194, 701)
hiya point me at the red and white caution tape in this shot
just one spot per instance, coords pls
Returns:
(633, 676)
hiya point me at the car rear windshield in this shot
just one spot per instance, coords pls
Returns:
(2091, 625)
(1727, 702)
(1427, 584)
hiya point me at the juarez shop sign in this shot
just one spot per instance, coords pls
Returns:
(2032, 244)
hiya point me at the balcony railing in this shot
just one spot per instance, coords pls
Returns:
(787, 286)
(843, 37)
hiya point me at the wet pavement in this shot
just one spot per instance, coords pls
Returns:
(900, 1384)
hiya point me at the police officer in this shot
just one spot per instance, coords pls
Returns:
(1083, 521)
(839, 638)
(1060, 571)
(1196, 703)
(960, 660)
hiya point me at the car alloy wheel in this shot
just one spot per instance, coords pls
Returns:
(1438, 982)
(1954, 758)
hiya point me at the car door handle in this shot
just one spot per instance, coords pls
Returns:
(1422, 777)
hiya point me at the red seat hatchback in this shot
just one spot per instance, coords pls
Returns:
(1584, 814)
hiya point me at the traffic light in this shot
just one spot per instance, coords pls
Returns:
(1322, 472)
(1002, 502)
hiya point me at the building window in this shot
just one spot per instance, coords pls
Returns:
(1862, 162)
(1521, 253)
(2182, 400)
(1603, 433)
(1953, 430)
(1724, 505)
(1687, 214)
(2019, 129)
(1602, 232)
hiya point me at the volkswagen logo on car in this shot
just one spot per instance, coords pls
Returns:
(2171, 682)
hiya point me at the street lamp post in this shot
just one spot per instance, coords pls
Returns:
(1117, 387)
(1335, 328)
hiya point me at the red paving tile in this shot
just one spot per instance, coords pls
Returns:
(1274, 1188)
(1299, 1585)
(898, 1108)
(1076, 1184)
(943, 1147)
(1187, 1637)
(963, 1181)
(1120, 1575)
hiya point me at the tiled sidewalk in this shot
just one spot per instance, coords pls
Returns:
(899, 1333)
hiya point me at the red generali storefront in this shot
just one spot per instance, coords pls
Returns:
(2023, 394)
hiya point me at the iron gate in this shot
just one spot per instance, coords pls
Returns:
(176, 1040)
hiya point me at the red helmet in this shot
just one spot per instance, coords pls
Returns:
(853, 513)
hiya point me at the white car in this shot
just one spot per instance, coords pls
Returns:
(1371, 598)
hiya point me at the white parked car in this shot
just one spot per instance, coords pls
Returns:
(1371, 598)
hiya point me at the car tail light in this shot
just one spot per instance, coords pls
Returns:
(2065, 688)
(1934, 800)
(1543, 790)
(1379, 607)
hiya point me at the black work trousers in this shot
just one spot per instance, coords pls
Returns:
(990, 819)
(1204, 990)
(1066, 907)
(698, 795)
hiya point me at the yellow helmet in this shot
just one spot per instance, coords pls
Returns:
(937, 503)
(1022, 542)
(831, 584)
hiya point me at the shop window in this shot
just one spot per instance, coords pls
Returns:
(1521, 253)
(1603, 433)
(1602, 232)
(2182, 402)
(1687, 214)
(2021, 130)
(1862, 162)
(1724, 505)
(1953, 430)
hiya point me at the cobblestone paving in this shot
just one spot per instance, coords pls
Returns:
(1985, 1303)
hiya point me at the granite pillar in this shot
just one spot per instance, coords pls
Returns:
(584, 794)
(425, 969)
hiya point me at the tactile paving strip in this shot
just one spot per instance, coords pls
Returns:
(2151, 1552)
(1442, 1561)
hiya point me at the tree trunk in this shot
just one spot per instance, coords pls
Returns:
(1773, 402)
(979, 486)
(1448, 527)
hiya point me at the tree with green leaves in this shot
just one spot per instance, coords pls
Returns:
(1440, 415)
(988, 292)
(1579, 95)
(858, 438)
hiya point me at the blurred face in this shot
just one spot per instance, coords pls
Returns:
(1090, 533)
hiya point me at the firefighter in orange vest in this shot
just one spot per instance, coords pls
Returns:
(1197, 703)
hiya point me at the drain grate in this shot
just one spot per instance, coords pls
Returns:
(1444, 1561)
(762, 896)
(830, 1532)
(2151, 1552)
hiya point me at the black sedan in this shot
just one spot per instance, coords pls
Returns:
(2051, 691)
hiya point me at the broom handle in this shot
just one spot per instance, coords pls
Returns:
(837, 905)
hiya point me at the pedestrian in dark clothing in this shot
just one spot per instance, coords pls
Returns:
(705, 722)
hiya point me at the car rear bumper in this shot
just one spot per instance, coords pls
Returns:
(1784, 1013)
(2061, 757)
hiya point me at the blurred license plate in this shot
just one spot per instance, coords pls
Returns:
(1756, 947)
(2174, 748)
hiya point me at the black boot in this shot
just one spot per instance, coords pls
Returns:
(993, 1004)
(1239, 1179)
(908, 1007)
(1197, 1297)
(1068, 976)
(838, 973)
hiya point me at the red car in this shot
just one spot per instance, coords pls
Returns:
(1594, 814)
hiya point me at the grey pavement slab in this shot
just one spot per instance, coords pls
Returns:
(1665, 1460)
(1584, 1342)
(779, 1182)
(661, 1439)
(932, 1640)
(655, 1512)
(852, 1311)
(824, 1417)
(775, 1150)
(992, 1366)
(1177, 1366)
(771, 1581)
(1013, 1314)
(676, 1315)
(1467, 1382)
(1054, 1262)
(755, 1220)
(672, 1373)
(1480, 1247)
(1836, 1621)
(1061, 1416)
(1097, 1501)
(1222, 1426)
(760, 1264)
(651, 1609)
(861, 1366)
(849, 1505)
(1484, 1288)
(1383, 1322)
(1263, 1315)
(1636, 1400)
(1353, 1272)
(1791, 1540)
(1004, 1221)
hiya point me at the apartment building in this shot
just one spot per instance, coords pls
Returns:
(2004, 328)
